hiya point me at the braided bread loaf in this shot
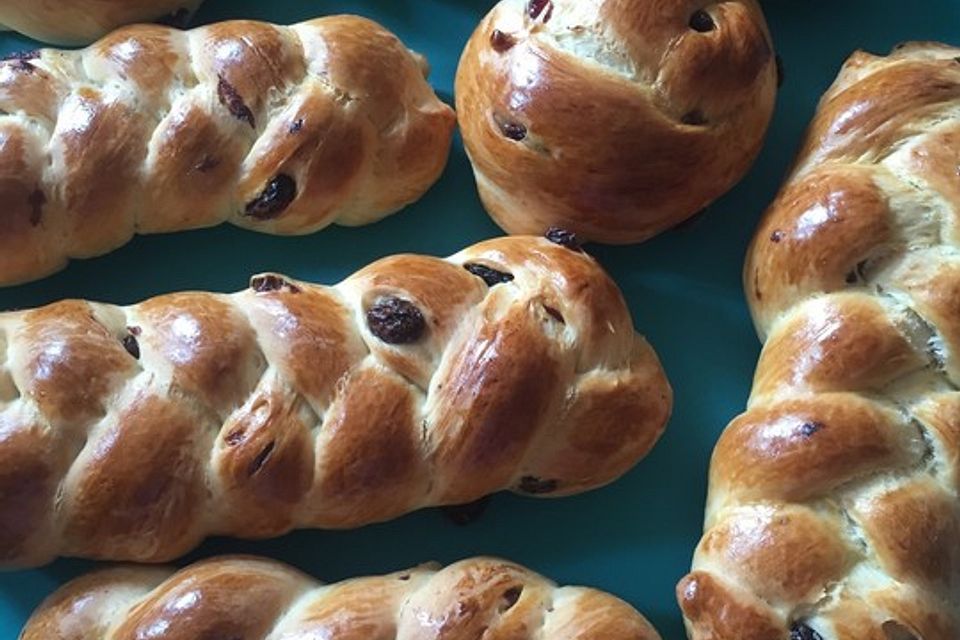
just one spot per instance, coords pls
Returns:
(278, 129)
(82, 21)
(615, 119)
(480, 597)
(833, 511)
(132, 433)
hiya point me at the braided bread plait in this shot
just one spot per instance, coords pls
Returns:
(82, 21)
(833, 511)
(256, 599)
(131, 433)
(278, 129)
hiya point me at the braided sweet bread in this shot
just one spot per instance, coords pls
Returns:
(480, 597)
(833, 511)
(82, 21)
(615, 119)
(131, 433)
(282, 130)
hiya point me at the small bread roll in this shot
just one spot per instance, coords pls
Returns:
(615, 119)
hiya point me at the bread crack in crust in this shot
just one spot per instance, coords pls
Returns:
(131, 433)
(481, 597)
(833, 511)
(283, 130)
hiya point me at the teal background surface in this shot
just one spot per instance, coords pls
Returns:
(633, 538)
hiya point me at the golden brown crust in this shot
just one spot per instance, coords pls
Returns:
(131, 433)
(70, 362)
(833, 510)
(719, 611)
(611, 118)
(283, 130)
(82, 21)
(138, 490)
(478, 597)
(29, 464)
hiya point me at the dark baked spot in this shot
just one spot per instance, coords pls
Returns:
(800, 631)
(756, 285)
(702, 22)
(272, 201)
(207, 164)
(509, 128)
(179, 19)
(855, 275)
(808, 429)
(235, 437)
(132, 345)
(404, 577)
(510, 597)
(776, 236)
(36, 201)
(537, 7)
(563, 238)
(781, 73)
(22, 65)
(554, 313)
(233, 102)
(491, 276)
(267, 282)
(694, 118)
(513, 130)
(536, 486)
(396, 321)
(20, 60)
(31, 54)
(464, 514)
(261, 459)
(296, 125)
(501, 41)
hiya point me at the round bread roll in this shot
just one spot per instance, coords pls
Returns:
(234, 598)
(615, 119)
(833, 511)
(83, 21)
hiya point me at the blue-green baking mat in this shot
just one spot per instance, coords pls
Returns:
(635, 537)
